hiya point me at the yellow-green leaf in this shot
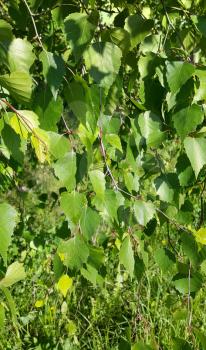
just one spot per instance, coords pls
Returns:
(40, 143)
(64, 284)
(200, 235)
(39, 303)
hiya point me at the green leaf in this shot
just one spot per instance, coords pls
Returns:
(126, 256)
(58, 145)
(200, 22)
(138, 28)
(119, 37)
(164, 259)
(167, 187)
(143, 211)
(53, 70)
(200, 93)
(103, 61)
(5, 31)
(96, 256)
(195, 149)
(91, 274)
(2, 317)
(177, 73)
(131, 182)
(183, 285)
(150, 126)
(184, 170)
(73, 204)
(89, 222)
(112, 201)
(151, 43)
(113, 96)
(20, 55)
(189, 247)
(181, 344)
(186, 120)
(8, 221)
(19, 85)
(48, 109)
(114, 141)
(58, 267)
(84, 102)
(201, 337)
(141, 346)
(74, 252)
(147, 65)
(97, 179)
(79, 32)
(65, 169)
(15, 273)
(14, 143)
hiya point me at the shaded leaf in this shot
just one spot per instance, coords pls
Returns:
(53, 70)
(177, 73)
(138, 28)
(5, 31)
(48, 109)
(150, 126)
(103, 61)
(126, 256)
(79, 32)
(186, 120)
(167, 187)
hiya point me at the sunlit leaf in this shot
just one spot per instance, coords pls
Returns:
(8, 221)
(15, 273)
(64, 284)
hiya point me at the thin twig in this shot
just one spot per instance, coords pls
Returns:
(34, 25)
(105, 161)
(169, 239)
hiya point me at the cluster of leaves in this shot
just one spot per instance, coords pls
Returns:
(112, 96)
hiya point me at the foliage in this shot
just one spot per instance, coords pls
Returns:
(110, 97)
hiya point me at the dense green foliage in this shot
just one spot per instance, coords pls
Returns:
(102, 174)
